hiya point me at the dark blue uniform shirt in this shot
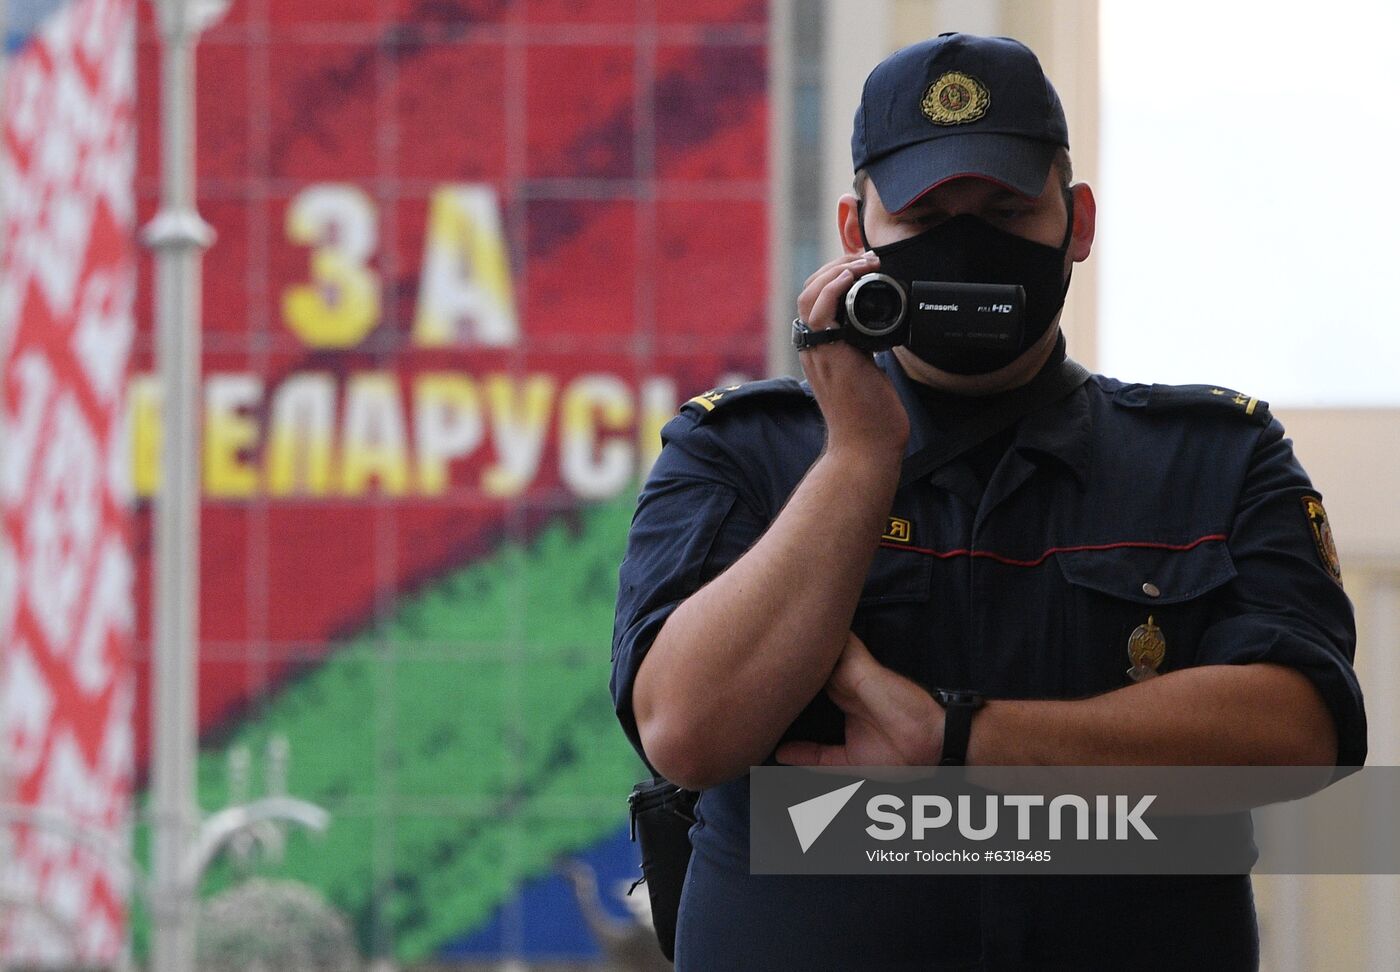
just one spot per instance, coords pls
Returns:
(1117, 503)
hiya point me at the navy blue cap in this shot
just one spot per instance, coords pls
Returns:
(953, 106)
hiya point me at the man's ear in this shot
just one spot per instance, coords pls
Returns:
(848, 224)
(1085, 212)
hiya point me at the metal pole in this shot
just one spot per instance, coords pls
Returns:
(179, 237)
(781, 358)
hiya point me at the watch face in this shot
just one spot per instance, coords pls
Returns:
(803, 337)
(799, 335)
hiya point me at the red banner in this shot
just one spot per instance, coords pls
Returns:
(66, 622)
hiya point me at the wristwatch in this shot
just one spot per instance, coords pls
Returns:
(803, 337)
(958, 708)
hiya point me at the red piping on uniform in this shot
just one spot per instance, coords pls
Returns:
(1012, 562)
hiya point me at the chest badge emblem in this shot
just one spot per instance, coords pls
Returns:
(1147, 646)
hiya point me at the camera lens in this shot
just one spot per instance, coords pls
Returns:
(875, 304)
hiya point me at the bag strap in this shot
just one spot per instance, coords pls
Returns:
(1049, 386)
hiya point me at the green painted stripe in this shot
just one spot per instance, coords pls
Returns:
(461, 746)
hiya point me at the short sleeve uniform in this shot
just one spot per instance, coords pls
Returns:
(1116, 505)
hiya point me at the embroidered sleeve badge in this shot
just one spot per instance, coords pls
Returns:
(955, 99)
(1322, 536)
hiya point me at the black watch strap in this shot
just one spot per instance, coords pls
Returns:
(803, 337)
(958, 710)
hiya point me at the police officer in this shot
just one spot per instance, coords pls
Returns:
(1111, 574)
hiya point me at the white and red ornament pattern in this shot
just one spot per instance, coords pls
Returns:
(66, 609)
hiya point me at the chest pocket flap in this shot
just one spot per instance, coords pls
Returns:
(1150, 575)
(1113, 592)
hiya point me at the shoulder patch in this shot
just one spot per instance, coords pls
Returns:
(1200, 399)
(1322, 536)
(755, 393)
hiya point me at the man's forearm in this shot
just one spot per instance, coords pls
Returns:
(1214, 715)
(738, 660)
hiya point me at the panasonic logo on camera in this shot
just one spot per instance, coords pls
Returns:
(938, 307)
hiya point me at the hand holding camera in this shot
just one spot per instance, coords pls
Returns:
(863, 412)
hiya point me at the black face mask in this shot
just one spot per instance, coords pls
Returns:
(965, 249)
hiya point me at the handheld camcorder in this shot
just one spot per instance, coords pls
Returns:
(880, 311)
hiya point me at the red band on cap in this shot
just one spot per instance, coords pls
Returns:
(963, 175)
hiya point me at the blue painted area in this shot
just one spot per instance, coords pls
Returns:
(24, 17)
(543, 921)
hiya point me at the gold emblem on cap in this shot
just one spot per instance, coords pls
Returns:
(1147, 646)
(955, 99)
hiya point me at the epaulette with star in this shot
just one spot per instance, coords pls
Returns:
(1198, 399)
(769, 391)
